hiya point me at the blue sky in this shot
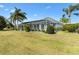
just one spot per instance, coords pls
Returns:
(37, 11)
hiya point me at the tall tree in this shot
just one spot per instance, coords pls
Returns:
(2, 22)
(17, 16)
(77, 14)
(64, 19)
(77, 9)
(68, 11)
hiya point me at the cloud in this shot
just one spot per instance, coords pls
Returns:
(48, 7)
(12, 10)
(6, 9)
(35, 15)
(1, 6)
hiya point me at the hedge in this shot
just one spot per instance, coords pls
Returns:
(50, 29)
(70, 27)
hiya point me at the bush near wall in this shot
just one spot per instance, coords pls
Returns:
(70, 27)
(50, 29)
(27, 28)
(58, 29)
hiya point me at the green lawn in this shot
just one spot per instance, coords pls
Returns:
(17, 42)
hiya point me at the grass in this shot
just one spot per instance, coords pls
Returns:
(34, 43)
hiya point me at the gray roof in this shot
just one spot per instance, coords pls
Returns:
(47, 18)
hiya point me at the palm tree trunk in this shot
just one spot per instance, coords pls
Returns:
(13, 24)
(17, 24)
(22, 26)
(69, 20)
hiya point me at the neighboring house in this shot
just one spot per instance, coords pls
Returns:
(41, 25)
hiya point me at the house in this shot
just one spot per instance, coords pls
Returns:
(41, 25)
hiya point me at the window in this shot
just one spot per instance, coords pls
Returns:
(38, 26)
(42, 26)
(35, 27)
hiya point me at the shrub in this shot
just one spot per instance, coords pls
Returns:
(9, 26)
(50, 29)
(44, 31)
(2, 23)
(27, 28)
(64, 20)
(58, 28)
(77, 30)
(32, 30)
(70, 27)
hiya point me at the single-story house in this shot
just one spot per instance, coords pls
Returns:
(42, 24)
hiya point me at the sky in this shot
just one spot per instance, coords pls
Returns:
(37, 11)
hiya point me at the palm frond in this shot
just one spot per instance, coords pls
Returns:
(77, 14)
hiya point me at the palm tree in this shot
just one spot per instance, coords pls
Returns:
(77, 14)
(77, 9)
(68, 11)
(17, 16)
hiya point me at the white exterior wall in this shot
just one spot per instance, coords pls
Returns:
(58, 25)
(40, 23)
(40, 27)
(45, 27)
